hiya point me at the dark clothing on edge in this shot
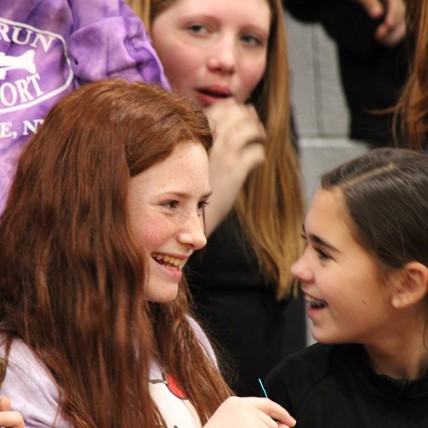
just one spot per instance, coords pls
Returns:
(372, 74)
(334, 386)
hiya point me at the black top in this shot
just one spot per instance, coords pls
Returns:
(238, 309)
(372, 74)
(334, 386)
(227, 262)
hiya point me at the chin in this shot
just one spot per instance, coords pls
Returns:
(165, 299)
(159, 296)
(328, 339)
(320, 337)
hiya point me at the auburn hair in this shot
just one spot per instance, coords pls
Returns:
(72, 277)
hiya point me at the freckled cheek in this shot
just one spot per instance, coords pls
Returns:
(152, 234)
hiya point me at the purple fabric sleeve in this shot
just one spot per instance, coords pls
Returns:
(116, 45)
(50, 47)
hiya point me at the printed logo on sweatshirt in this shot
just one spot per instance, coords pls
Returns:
(34, 66)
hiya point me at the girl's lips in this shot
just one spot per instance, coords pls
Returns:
(169, 265)
(315, 307)
(205, 100)
(216, 90)
(211, 94)
(169, 261)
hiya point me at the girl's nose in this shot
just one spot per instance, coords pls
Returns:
(223, 57)
(300, 269)
(193, 233)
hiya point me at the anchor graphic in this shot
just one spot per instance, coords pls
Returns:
(23, 62)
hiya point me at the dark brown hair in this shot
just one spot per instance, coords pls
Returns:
(385, 192)
(71, 275)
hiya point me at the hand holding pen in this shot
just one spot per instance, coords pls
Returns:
(254, 412)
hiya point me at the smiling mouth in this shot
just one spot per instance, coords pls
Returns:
(169, 261)
(315, 303)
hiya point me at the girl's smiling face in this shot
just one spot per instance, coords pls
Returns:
(213, 49)
(347, 302)
(166, 204)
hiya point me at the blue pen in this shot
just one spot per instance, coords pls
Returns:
(264, 392)
(263, 388)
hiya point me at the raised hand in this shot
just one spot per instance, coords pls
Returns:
(238, 148)
(393, 27)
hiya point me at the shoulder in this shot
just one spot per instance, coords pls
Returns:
(200, 333)
(29, 385)
(124, 47)
(203, 340)
(22, 363)
(313, 360)
(291, 380)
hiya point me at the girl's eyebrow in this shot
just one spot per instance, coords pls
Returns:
(185, 194)
(316, 239)
(321, 242)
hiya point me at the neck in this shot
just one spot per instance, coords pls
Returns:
(400, 360)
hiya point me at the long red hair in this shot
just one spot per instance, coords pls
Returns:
(71, 275)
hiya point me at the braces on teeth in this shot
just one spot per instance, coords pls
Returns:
(316, 303)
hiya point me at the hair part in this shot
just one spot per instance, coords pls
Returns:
(385, 194)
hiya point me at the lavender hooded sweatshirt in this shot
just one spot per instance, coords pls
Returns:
(50, 47)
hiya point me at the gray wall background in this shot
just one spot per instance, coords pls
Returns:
(319, 107)
(320, 111)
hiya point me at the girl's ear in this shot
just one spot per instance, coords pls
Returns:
(412, 285)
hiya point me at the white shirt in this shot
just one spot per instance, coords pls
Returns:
(34, 394)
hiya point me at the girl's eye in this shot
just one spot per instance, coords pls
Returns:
(322, 255)
(305, 240)
(170, 204)
(201, 207)
(198, 29)
(252, 40)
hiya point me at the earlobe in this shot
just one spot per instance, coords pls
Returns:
(412, 286)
